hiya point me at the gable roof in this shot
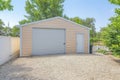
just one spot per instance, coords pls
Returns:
(53, 19)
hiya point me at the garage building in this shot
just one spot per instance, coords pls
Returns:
(53, 36)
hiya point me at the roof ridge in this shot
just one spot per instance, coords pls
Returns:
(52, 19)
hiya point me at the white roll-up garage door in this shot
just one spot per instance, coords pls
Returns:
(48, 41)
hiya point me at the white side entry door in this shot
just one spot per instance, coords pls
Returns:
(80, 43)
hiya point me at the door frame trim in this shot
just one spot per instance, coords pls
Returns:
(77, 43)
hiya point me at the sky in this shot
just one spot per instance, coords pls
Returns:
(101, 10)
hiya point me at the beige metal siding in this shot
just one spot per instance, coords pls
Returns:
(71, 31)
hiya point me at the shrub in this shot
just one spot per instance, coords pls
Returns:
(102, 51)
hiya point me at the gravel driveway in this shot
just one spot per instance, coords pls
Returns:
(61, 67)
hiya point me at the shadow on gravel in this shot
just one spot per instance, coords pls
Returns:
(118, 61)
(10, 71)
(59, 55)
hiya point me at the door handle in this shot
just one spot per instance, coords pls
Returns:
(64, 43)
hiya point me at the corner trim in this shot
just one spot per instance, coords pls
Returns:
(88, 41)
(20, 41)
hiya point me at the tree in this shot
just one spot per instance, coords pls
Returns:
(89, 22)
(15, 31)
(7, 31)
(66, 17)
(1, 24)
(43, 9)
(5, 5)
(24, 21)
(77, 20)
(117, 2)
(111, 33)
(1, 27)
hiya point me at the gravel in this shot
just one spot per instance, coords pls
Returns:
(61, 67)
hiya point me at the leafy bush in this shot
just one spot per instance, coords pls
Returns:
(102, 51)
(110, 34)
(116, 55)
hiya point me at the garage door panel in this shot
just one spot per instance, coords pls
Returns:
(48, 41)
